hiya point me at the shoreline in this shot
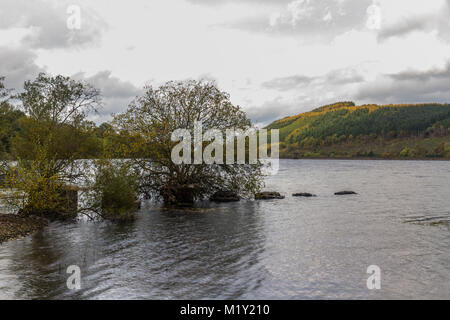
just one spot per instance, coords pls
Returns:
(373, 158)
(13, 227)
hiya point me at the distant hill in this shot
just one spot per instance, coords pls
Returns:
(345, 130)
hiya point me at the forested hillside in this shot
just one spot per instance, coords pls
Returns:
(346, 130)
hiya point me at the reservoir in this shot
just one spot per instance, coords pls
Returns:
(293, 248)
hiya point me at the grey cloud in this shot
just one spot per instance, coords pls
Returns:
(269, 111)
(343, 76)
(47, 21)
(443, 25)
(412, 75)
(320, 20)
(334, 77)
(333, 83)
(409, 87)
(287, 83)
(427, 22)
(404, 27)
(278, 108)
(18, 65)
(110, 86)
(116, 93)
(222, 2)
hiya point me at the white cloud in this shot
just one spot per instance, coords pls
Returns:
(374, 16)
(327, 17)
(299, 10)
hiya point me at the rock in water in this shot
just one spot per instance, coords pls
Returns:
(340, 193)
(224, 196)
(267, 195)
(303, 194)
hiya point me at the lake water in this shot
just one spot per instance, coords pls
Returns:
(296, 248)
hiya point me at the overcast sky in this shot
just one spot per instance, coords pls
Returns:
(274, 57)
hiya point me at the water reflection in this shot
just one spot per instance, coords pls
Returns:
(212, 251)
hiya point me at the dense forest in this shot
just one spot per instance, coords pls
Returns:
(15, 125)
(345, 130)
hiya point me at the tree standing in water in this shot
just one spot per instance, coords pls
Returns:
(51, 137)
(147, 127)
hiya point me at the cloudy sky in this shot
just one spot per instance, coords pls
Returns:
(275, 57)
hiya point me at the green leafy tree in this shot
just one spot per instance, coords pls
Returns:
(50, 139)
(56, 109)
(150, 120)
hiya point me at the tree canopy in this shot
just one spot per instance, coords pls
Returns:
(150, 121)
(50, 137)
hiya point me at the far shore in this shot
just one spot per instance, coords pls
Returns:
(370, 158)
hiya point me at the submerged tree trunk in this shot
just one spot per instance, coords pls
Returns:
(178, 194)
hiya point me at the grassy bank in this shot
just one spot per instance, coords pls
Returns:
(15, 226)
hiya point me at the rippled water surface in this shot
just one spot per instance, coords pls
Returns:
(296, 248)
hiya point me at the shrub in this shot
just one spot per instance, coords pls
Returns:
(439, 151)
(34, 193)
(115, 191)
(408, 152)
(447, 151)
